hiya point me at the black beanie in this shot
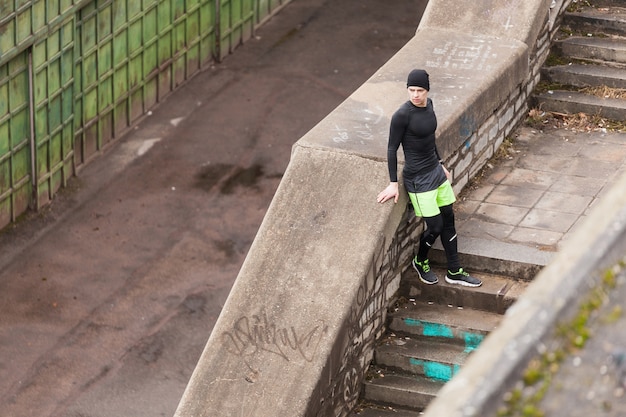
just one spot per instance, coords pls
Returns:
(418, 78)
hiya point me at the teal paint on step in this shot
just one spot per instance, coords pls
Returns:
(435, 370)
(472, 340)
(430, 329)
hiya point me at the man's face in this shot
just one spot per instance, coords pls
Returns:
(418, 96)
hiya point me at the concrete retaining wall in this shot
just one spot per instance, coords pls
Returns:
(297, 332)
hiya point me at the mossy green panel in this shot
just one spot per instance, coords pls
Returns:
(120, 83)
(165, 82)
(179, 37)
(119, 15)
(66, 4)
(6, 7)
(150, 65)
(18, 86)
(68, 144)
(78, 112)
(135, 32)
(104, 23)
(105, 127)
(54, 9)
(134, 9)
(39, 15)
(120, 47)
(56, 146)
(7, 39)
(20, 161)
(165, 47)
(54, 114)
(67, 104)
(105, 64)
(135, 71)
(5, 161)
(136, 109)
(179, 9)
(150, 92)
(53, 44)
(262, 10)
(88, 33)
(54, 75)
(120, 113)
(40, 55)
(90, 69)
(90, 105)
(24, 28)
(15, 169)
(208, 47)
(67, 65)
(237, 17)
(193, 60)
(4, 103)
(150, 28)
(193, 27)
(105, 94)
(179, 70)
(5, 139)
(41, 157)
(41, 122)
(165, 16)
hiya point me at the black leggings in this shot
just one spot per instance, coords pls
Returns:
(441, 225)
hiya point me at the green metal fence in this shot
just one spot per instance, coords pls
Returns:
(75, 75)
(15, 150)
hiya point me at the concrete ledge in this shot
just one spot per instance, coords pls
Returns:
(552, 298)
(515, 20)
(290, 309)
(469, 76)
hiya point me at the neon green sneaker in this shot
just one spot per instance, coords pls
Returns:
(423, 271)
(462, 278)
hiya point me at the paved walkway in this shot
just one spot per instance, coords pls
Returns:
(539, 189)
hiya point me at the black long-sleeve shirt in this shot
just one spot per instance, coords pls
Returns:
(414, 127)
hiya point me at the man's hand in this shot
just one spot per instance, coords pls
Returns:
(448, 175)
(388, 193)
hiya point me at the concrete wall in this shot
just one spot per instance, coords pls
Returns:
(296, 334)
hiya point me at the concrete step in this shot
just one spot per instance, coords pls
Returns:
(428, 358)
(573, 102)
(592, 48)
(496, 294)
(578, 75)
(608, 20)
(382, 411)
(401, 391)
(514, 261)
(441, 323)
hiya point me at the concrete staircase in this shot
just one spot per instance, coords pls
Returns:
(432, 331)
(592, 53)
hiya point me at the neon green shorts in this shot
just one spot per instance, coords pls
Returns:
(427, 204)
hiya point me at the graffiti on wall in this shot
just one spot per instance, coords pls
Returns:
(258, 333)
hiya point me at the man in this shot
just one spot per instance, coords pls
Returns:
(425, 178)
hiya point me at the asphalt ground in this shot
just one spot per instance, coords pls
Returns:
(107, 296)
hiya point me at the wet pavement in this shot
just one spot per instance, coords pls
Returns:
(108, 296)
